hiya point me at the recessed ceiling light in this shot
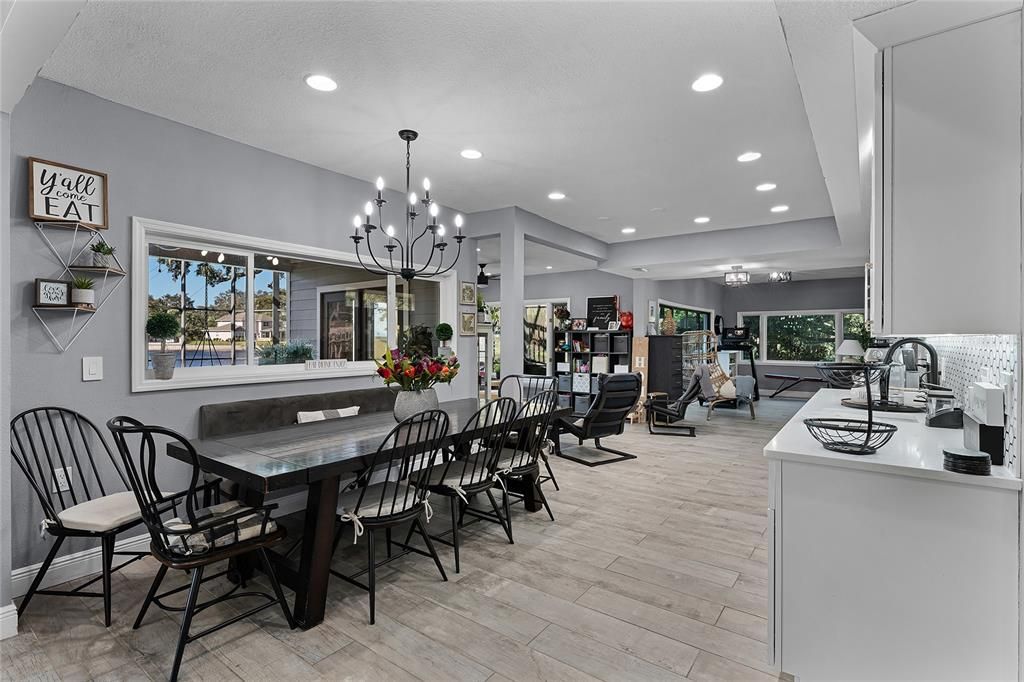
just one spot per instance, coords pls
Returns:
(701, 219)
(603, 217)
(478, 249)
(747, 157)
(470, 154)
(781, 208)
(628, 230)
(707, 82)
(657, 209)
(556, 196)
(320, 82)
(765, 187)
(641, 269)
(548, 267)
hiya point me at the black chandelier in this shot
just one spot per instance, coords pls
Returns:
(403, 264)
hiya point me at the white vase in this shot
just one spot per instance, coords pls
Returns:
(100, 260)
(83, 297)
(408, 403)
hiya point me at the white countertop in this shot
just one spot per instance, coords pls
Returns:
(914, 450)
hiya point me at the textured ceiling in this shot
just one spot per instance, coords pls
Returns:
(592, 99)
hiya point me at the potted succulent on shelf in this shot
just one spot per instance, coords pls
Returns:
(82, 292)
(163, 326)
(444, 334)
(415, 373)
(102, 254)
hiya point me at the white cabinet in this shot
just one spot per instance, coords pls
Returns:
(946, 223)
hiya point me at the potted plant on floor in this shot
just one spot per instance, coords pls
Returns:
(415, 371)
(444, 334)
(163, 326)
(82, 293)
(102, 255)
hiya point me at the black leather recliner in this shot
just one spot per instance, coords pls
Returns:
(617, 395)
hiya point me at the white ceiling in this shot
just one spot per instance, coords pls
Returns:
(592, 99)
(540, 259)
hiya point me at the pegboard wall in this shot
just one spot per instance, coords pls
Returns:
(966, 359)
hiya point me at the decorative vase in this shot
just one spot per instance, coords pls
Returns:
(408, 403)
(445, 350)
(668, 324)
(84, 297)
(163, 364)
(100, 260)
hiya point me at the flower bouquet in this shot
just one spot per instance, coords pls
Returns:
(415, 374)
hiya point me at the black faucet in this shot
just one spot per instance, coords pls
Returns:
(933, 362)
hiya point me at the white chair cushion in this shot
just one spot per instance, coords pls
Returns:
(103, 513)
(368, 509)
(322, 415)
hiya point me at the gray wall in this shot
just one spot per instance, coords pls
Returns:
(164, 170)
(5, 359)
(702, 293)
(819, 294)
(576, 286)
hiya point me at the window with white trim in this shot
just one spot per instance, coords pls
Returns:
(255, 310)
(801, 336)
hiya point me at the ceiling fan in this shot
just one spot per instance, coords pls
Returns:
(484, 278)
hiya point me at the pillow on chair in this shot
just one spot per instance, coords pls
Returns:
(322, 415)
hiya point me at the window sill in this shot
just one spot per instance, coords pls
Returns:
(243, 376)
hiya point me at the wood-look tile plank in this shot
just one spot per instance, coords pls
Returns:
(744, 624)
(597, 659)
(355, 663)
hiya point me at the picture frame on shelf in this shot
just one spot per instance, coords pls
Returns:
(613, 326)
(467, 293)
(467, 324)
(59, 192)
(579, 324)
(52, 293)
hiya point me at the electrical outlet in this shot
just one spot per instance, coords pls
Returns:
(61, 480)
(1006, 381)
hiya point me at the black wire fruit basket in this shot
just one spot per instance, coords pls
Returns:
(849, 374)
(852, 436)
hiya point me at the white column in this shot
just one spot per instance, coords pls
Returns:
(513, 283)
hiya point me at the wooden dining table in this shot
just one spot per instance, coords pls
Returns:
(317, 455)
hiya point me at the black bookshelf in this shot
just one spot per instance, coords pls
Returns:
(580, 349)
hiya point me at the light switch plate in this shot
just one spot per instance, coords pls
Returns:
(1006, 381)
(92, 369)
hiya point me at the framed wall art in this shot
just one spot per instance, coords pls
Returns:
(58, 192)
(467, 293)
(52, 293)
(467, 324)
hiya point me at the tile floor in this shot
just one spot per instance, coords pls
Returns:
(656, 569)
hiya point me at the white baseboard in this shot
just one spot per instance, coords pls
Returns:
(72, 566)
(89, 561)
(8, 621)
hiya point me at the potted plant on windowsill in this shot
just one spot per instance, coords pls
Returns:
(416, 373)
(102, 255)
(444, 334)
(82, 292)
(163, 326)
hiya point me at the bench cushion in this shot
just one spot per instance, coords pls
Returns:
(250, 416)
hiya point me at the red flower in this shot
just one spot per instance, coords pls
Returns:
(435, 367)
(384, 372)
(410, 372)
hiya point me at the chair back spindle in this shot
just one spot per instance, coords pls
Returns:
(407, 452)
(47, 439)
(535, 417)
(477, 448)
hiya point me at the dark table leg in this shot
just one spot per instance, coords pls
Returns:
(317, 546)
(243, 567)
(527, 486)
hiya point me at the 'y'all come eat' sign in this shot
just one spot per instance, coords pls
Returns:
(58, 192)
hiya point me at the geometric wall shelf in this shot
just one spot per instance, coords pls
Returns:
(70, 243)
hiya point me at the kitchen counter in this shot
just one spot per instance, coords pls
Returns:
(914, 450)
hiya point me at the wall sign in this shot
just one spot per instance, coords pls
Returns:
(58, 192)
(52, 293)
(601, 310)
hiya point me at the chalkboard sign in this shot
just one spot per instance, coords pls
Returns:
(601, 310)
